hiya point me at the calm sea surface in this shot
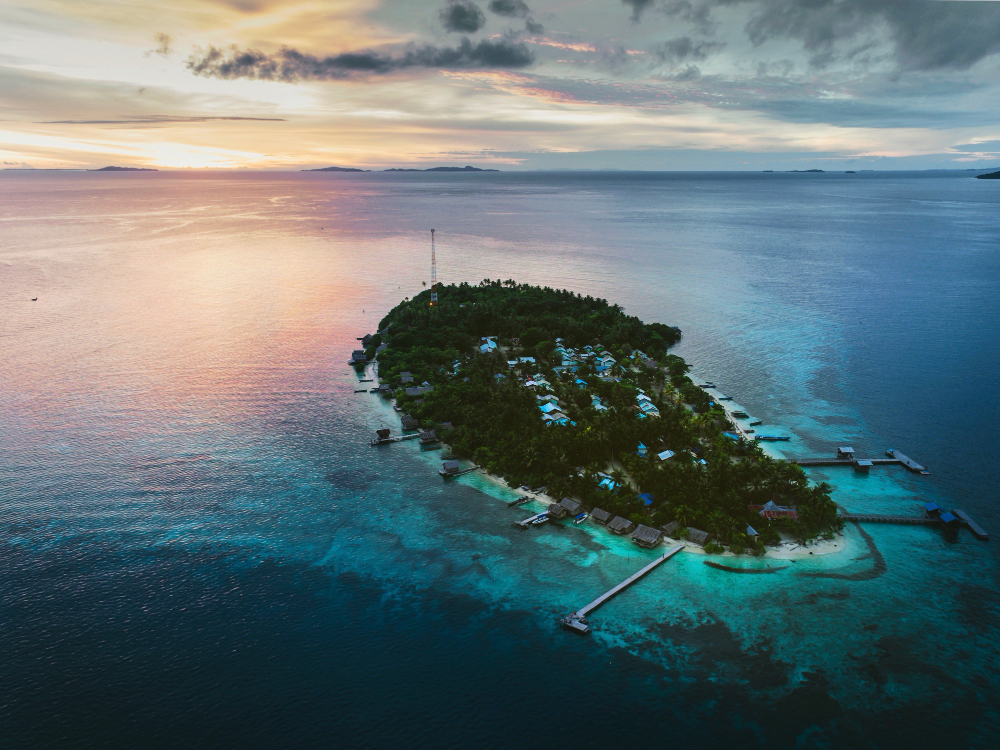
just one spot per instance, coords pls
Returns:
(199, 549)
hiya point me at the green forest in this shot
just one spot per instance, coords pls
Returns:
(496, 420)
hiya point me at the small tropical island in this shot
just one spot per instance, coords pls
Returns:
(988, 176)
(403, 169)
(547, 388)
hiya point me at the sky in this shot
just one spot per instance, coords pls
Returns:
(507, 84)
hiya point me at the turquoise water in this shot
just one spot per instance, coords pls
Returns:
(199, 546)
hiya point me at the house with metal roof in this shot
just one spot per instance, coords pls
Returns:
(600, 516)
(697, 536)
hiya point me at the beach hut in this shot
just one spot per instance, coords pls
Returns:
(772, 510)
(419, 390)
(428, 437)
(449, 468)
(664, 455)
(405, 377)
(647, 498)
(697, 536)
(845, 452)
(573, 507)
(600, 516)
(751, 531)
(672, 529)
(620, 525)
(647, 536)
(557, 511)
(409, 423)
(641, 450)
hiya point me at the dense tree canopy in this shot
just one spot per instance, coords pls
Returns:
(710, 480)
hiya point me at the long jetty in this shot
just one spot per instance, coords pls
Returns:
(401, 438)
(897, 458)
(578, 620)
(962, 517)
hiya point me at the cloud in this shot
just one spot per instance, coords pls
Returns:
(510, 8)
(291, 65)
(462, 16)
(161, 120)
(638, 7)
(163, 48)
(683, 49)
(533, 27)
(923, 34)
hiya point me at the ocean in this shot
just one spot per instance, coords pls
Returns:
(198, 547)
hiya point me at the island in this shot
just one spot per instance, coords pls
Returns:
(124, 169)
(988, 176)
(545, 387)
(403, 169)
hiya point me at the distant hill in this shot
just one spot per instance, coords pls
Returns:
(988, 176)
(336, 169)
(443, 169)
(123, 169)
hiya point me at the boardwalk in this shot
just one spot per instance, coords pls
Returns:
(888, 518)
(897, 459)
(577, 620)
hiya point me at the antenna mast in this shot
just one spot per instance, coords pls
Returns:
(434, 273)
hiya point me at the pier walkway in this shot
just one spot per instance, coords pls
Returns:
(577, 620)
(897, 458)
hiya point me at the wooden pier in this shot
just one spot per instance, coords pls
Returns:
(889, 518)
(974, 527)
(895, 459)
(386, 441)
(578, 620)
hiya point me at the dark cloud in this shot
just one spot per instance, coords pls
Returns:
(683, 48)
(510, 8)
(638, 7)
(924, 34)
(462, 16)
(291, 65)
(161, 120)
(533, 27)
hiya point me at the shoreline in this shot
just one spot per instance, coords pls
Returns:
(789, 549)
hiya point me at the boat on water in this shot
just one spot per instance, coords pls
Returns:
(543, 518)
(772, 438)
(756, 422)
(581, 518)
(708, 384)
(519, 501)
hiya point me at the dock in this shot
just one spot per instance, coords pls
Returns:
(895, 458)
(401, 438)
(975, 528)
(526, 522)
(578, 620)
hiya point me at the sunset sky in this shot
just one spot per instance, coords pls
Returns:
(513, 84)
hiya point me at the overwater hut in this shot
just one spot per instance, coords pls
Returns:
(600, 516)
(697, 536)
(620, 525)
(428, 437)
(932, 509)
(845, 452)
(450, 468)
(862, 465)
(557, 511)
(572, 506)
(647, 536)
(672, 529)
(358, 357)
(382, 433)
(948, 518)
(409, 423)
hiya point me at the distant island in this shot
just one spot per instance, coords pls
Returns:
(821, 171)
(124, 169)
(548, 388)
(988, 176)
(403, 169)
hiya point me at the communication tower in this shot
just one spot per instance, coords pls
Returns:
(434, 273)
